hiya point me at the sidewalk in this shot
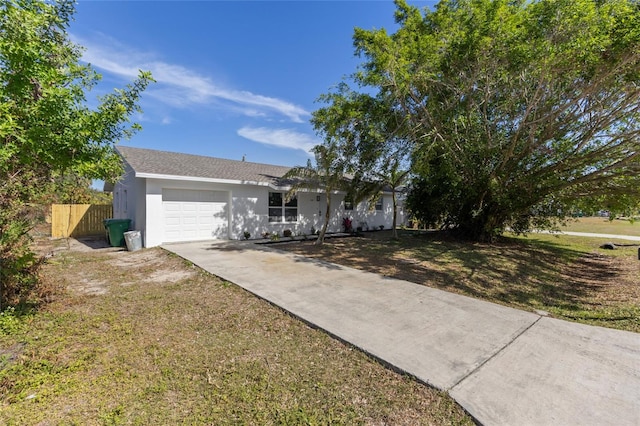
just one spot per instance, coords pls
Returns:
(504, 366)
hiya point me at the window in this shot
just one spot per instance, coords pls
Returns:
(348, 203)
(279, 209)
(379, 204)
(275, 207)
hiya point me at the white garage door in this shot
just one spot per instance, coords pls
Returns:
(191, 215)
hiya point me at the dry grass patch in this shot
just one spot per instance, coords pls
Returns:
(570, 277)
(165, 343)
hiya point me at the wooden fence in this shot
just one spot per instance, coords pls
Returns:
(76, 220)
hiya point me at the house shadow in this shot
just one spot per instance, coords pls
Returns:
(254, 245)
(511, 271)
(95, 242)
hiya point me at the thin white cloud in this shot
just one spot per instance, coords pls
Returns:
(179, 86)
(282, 138)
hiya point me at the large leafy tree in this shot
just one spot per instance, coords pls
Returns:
(516, 109)
(47, 128)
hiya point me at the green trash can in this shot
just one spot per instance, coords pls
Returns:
(115, 231)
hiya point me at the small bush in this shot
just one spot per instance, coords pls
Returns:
(347, 224)
(287, 233)
(10, 322)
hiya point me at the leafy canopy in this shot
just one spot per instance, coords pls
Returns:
(46, 125)
(515, 109)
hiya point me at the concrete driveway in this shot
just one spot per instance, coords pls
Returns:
(504, 366)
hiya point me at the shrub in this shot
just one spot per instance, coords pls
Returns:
(347, 224)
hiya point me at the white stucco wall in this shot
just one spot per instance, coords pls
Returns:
(369, 218)
(248, 209)
(251, 212)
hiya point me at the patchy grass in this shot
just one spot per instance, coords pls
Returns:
(569, 277)
(145, 338)
(602, 225)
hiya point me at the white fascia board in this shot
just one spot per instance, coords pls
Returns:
(210, 180)
(228, 181)
(198, 179)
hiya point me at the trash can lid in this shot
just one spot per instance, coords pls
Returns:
(111, 220)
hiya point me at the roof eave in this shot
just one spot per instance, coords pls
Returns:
(227, 181)
(210, 180)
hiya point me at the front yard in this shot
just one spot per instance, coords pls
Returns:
(568, 277)
(145, 338)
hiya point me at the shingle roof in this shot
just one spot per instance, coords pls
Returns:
(149, 161)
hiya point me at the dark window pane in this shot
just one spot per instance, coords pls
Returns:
(275, 199)
(291, 215)
(293, 202)
(379, 204)
(275, 215)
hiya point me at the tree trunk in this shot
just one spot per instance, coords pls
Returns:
(327, 215)
(394, 233)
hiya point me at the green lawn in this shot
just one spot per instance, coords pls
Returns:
(602, 225)
(144, 338)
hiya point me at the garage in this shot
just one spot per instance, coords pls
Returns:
(191, 215)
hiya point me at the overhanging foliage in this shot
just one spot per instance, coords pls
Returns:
(46, 126)
(515, 109)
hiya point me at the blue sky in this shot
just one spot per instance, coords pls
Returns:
(234, 78)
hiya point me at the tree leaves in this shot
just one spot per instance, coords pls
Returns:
(525, 105)
(46, 126)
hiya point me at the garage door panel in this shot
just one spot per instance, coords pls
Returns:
(172, 221)
(189, 207)
(189, 220)
(172, 235)
(194, 215)
(206, 220)
(172, 207)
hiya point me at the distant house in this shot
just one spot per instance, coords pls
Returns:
(173, 197)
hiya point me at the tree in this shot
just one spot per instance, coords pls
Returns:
(327, 174)
(392, 176)
(46, 127)
(369, 136)
(515, 109)
(72, 188)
